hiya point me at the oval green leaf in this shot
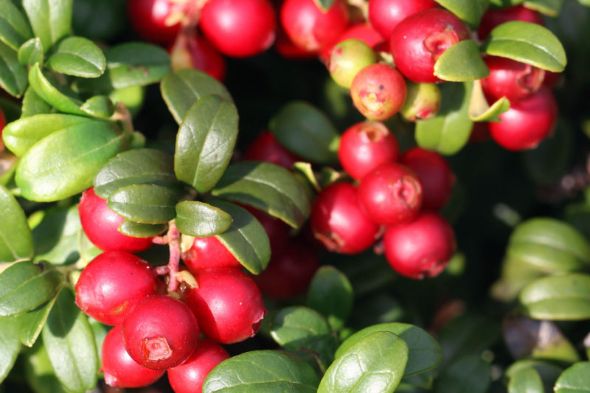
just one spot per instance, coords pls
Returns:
(479, 108)
(136, 64)
(13, 76)
(135, 229)
(461, 63)
(16, 241)
(33, 104)
(14, 27)
(31, 52)
(77, 56)
(9, 345)
(51, 20)
(547, 7)
(330, 292)
(145, 203)
(469, 11)
(56, 236)
(526, 380)
(200, 219)
(575, 379)
(469, 374)
(99, 106)
(31, 323)
(51, 94)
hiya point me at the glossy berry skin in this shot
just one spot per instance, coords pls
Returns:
(239, 28)
(418, 42)
(338, 221)
(112, 284)
(120, 370)
(527, 122)
(190, 375)
(511, 79)
(101, 224)
(385, 15)
(421, 248)
(391, 194)
(347, 59)
(157, 21)
(227, 303)
(365, 146)
(310, 28)
(435, 175)
(378, 91)
(194, 51)
(207, 253)
(160, 332)
(494, 17)
(267, 148)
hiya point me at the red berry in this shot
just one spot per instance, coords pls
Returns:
(266, 148)
(208, 252)
(338, 221)
(239, 28)
(511, 79)
(365, 146)
(418, 42)
(190, 375)
(494, 17)
(120, 370)
(391, 194)
(434, 174)
(362, 31)
(527, 122)
(278, 232)
(311, 28)
(289, 272)
(552, 79)
(157, 21)
(421, 248)
(160, 332)
(112, 284)
(101, 225)
(378, 91)
(194, 51)
(227, 303)
(385, 15)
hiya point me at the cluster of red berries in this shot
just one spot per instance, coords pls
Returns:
(155, 332)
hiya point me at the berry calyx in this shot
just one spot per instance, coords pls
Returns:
(511, 79)
(385, 15)
(157, 21)
(347, 58)
(267, 148)
(422, 101)
(193, 51)
(207, 253)
(494, 17)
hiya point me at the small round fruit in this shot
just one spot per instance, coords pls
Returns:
(421, 248)
(418, 42)
(194, 51)
(347, 59)
(157, 21)
(494, 17)
(435, 175)
(361, 31)
(422, 101)
(385, 15)
(378, 91)
(207, 253)
(112, 284)
(227, 303)
(527, 122)
(120, 370)
(365, 146)
(101, 224)
(391, 194)
(311, 28)
(511, 79)
(267, 148)
(190, 375)
(160, 332)
(338, 221)
(239, 28)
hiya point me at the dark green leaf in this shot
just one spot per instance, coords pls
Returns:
(51, 19)
(205, 142)
(9, 345)
(261, 372)
(31, 52)
(135, 229)
(469, 374)
(201, 219)
(575, 379)
(136, 64)
(56, 236)
(16, 243)
(51, 94)
(145, 203)
(547, 7)
(31, 323)
(469, 334)
(469, 11)
(324, 5)
(526, 380)
(14, 27)
(13, 76)
(78, 56)
(461, 62)
(551, 159)
(39, 373)
(33, 104)
(548, 371)
(99, 106)
(331, 294)
(480, 110)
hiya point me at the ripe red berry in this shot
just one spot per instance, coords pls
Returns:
(278, 232)
(418, 42)
(385, 15)
(378, 91)
(338, 221)
(434, 174)
(421, 248)
(190, 375)
(160, 332)
(120, 370)
(266, 148)
(527, 122)
(112, 284)
(511, 79)
(391, 194)
(101, 225)
(227, 303)
(311, 28)
(207, 253)
(239, 28)
(365, 146)
(494, 17)
(194, 51)
(157, 21)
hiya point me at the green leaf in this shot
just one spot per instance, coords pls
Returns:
(16, 242)
(469, 334)
(24, 287)
(135, 229)
(469, 374)
(56, 236)
(375, 363)
(183, 88)
(70, 345)
(547, 7)
(45, 176)
(268, 187)
(205, 142)
(31, 323)
(558, 298)
(136, 64)
(200, 219)
(78, 56)
(330, 293)
(307, 132)
(14, 27)
(548, 371)
(39, 373)
(9, 345)
(526, 380)
(480, 110)
(145, 203)
(324, 5)
(469, 11)
(461, 63)
(449, 130)
(51, 94)
(33, 104)
(527, 43)
(246, 238)
(99, 106)
(51, 19)
(575, 379)
(31, 52)
(13, 76)
(547, 163)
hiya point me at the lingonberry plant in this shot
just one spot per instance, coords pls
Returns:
(405, 207)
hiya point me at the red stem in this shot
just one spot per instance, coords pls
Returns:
(174, 260)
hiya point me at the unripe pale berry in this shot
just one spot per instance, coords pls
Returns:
(511, 79)
(207, 253)
(157, 21)
(347, 59)
(385, 15)
(360, 31)
(422, 101)
(267, 148)
(494, 17)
